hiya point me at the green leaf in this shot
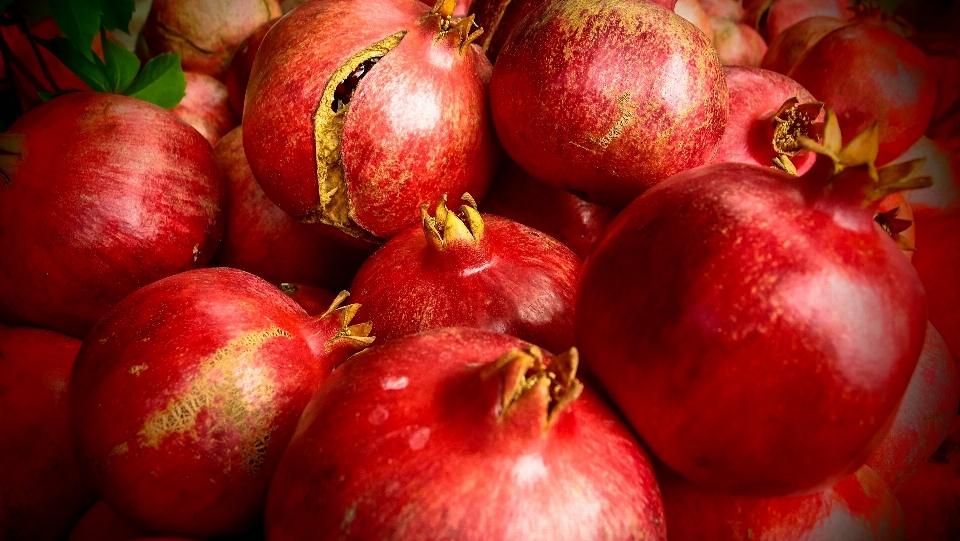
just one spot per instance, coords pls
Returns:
(161, 82)
(79, 20)
(116, 14)
(90, 71)
(120, 66)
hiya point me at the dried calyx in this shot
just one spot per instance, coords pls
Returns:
(11, 154)
(446, 228)
(792, 121)
(464, 29)
(357, 335)
(895, 227)
(526, 376)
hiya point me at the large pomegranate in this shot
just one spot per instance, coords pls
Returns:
(358, 112)
(462, 434)
(635, 94)
(184, 396)
(103, 194)
(766, 325)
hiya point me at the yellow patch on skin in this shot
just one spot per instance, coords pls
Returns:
(135, 370)
(628, 112)
(221, 390)
(120, 449)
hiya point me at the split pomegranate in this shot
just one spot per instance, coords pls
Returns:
(859, 507)
(42, 493)
(206, 107)
(103, 194)
(238, 73)
(767, 326)
(359, 112)
(314, 300)
(738, 44)
(263, 240)
(462, 434)
(636, 94)
(185, 394)
(469, 270)
(790, 45)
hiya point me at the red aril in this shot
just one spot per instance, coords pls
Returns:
(314, 300)
(462, 434)
(206, 107)
(737, 44)
(185, 394)
(104, 194)
(238, 73)
(470, 270)
(636, 94)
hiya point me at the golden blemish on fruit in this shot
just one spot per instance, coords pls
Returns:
(136, 369)
(334, 208)
(120, 449)
(196, 252)
(234, 404)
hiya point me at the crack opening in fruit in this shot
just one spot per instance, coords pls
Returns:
(524, 371)
(334, 208)
(446, 228)
(11, 156)
(895, 227)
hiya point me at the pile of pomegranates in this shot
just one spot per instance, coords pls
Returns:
(479, 269)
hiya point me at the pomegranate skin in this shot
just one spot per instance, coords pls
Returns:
(868, 74)
(785, 13)
(238, 73)
(184, 396)
(790, 45)
(417, 125)
(718, 276)
(692, 11)
(404, 442)
(206, 107)
(114, 182)
(510, 279)
(924, 417)
(931, 500)
(100, 523)
(637, 94)
(942, 164)
(314, 300)
(859, 507)
(937, 261)
(263, 240)
(738, 44)
(755, 98)
(42, 493)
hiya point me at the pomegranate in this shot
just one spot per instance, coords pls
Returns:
(931, 500)
(462, 434)
(868, 74)
(193, 386)
(787, 48)
(895, 216)
(636, 95)
(314, 300)
(943, 53)
(942, 164)
(723, 9)
(104, 194)
(749, 304)
(859, 507)
(42, 493)
(768, 113)
(238, 73)
(206, 107)
(470, 270)
(737, 44)
(925, 414)
(937, 261)
(375, 108)
(205, 32)
(262, 239)
(692, 11)
(576, 223)
(772, 17)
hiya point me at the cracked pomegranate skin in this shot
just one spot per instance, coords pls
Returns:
(403, 442)
(766, 334)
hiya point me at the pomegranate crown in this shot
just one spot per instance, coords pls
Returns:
(792, 121)
(356, 336)
(446, 228)
(526, 376)
(465, 29)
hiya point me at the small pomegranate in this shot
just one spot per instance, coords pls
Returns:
(470, 270)
(737, 44)
(462, 434)
(104, 194)
(206, 33)
(692, 11)
(42, 493)
(636, 95)
(772, 17)
(206, 107)
(931, 500)
(748, 303)
(263, 240)
(314, 300)
(238, 73)
(790, 45)
(375, 109)
(192, 386)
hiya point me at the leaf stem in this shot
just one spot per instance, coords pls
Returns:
(22, 23)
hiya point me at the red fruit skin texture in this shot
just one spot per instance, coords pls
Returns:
(263, 240)
(860, 507)
(417, 126)
(692, 11)
(767, 341)
(576, 223)
(238, 73)
(403, 442)
(635, 95)
(937, 261)
(755, 97)
(724, 9)
(41, 490)
(790, 45)
(517, 281)
(785, 13)
(186, 393)
(925, 415)
(942, 164)
(866, 73)
(738, 44)
(206, 107)
(931, 500)
(112, 193)
(314, 300)
(499, 18)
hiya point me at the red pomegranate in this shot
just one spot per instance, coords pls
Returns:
(206, 107)
(787, 48)
(206, 33)
(314, 300)
(375, 109)
(263, 240)
(859, 507)
(772, 17)
(724, 9)
(470, 270)
(185, 394)
(942, 164)
(931, 500)
(692, 11)
(768, 113)
(748, 305)
(238, 73)
(42, 493)
(737, 44)
(636, 95)
(937, 261)
(462, 434)
(943, 53)
(104, 194)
